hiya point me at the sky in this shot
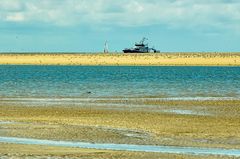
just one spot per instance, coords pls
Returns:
(85, 25)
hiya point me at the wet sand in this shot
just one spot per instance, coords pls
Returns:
(220, 127)
(143, 125)
(126, 147)
(160, 59)
(34, 151)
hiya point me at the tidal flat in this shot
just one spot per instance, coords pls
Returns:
(218, 128)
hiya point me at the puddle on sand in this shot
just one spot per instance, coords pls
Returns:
(126, 147)
(185, 112)
(6, 122)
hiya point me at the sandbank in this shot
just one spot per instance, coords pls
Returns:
(120, 59)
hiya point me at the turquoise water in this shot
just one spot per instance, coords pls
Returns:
(98, 82)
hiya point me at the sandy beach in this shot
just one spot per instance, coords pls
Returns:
(139, 126)
(120, 59)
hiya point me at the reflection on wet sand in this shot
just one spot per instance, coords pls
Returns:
(125, 147)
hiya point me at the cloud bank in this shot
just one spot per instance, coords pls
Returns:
(193, 14)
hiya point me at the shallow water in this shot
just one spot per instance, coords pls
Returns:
(94, 81)
(186, 112)
(102, 103)
(126, 147)
(7, 122)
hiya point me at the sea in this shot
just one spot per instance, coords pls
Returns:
(118, 82)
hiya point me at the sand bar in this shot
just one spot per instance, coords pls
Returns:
(115, 59)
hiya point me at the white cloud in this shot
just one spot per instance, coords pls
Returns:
(10, 5)
(221, 14)
(16, 17)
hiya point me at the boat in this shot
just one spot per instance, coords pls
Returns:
(140, 47)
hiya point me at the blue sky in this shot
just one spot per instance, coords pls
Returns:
(84, 25)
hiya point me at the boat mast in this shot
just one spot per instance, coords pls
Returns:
(106, 47)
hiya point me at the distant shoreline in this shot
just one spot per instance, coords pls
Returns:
(121, 59)
(118, 53)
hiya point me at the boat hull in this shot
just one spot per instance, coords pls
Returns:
(133, 51)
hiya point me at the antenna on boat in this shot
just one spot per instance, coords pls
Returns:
(106, 47)
(143, 40)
